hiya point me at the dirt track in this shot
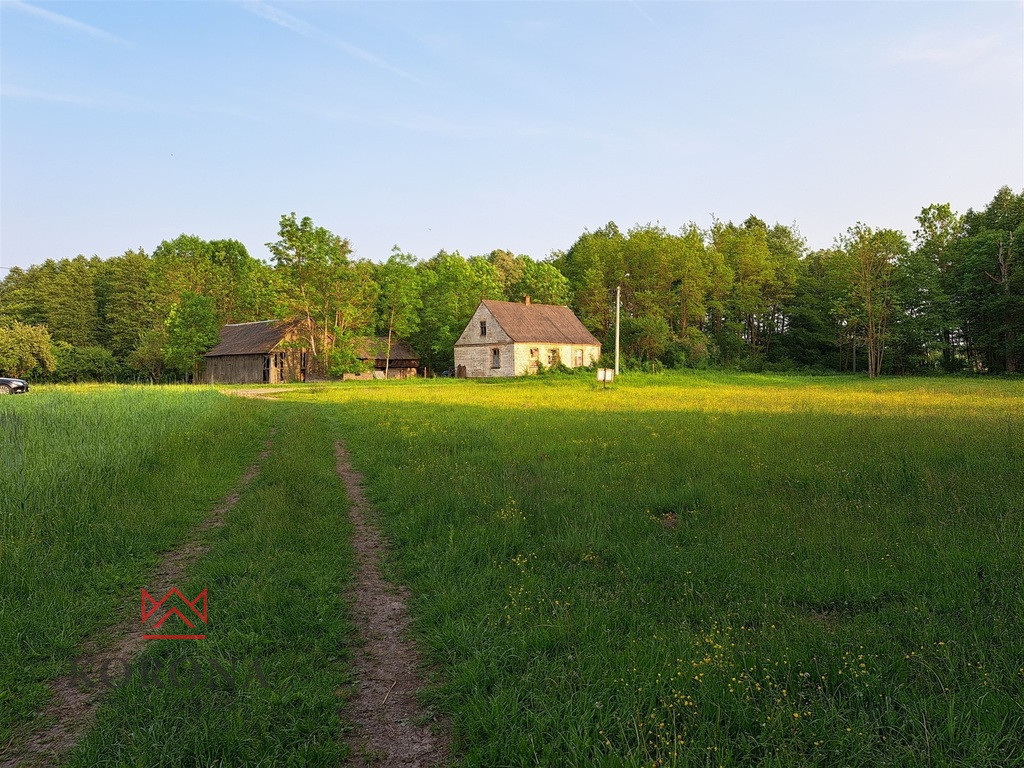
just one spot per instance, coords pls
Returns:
(392, 728)
(256, 394)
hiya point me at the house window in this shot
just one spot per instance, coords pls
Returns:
(495, 358)
(534, 362)
(577, 358)
(552, 357)
(483, 327)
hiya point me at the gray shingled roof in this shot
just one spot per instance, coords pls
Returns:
(376, 348)
(250, 338)
(545, 323)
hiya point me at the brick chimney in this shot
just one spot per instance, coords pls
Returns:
(526, 299)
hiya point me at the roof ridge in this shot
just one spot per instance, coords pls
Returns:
(523, 303)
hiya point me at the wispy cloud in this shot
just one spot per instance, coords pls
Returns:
(968, 56)
(28, 94)
(639, 8)
(469, 127)
(287, 21)
(975, 58)
(945, 51)
(123, 103)
(63, 21)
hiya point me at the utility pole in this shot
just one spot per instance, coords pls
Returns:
(618, 307)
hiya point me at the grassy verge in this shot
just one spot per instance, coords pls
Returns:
(710, 569)
(275, 575)
(95, 482)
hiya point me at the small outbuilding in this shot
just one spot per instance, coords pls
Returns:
(506, 338)
(264, 352)
(401, 363)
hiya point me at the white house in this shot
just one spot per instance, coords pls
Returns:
(505, 338)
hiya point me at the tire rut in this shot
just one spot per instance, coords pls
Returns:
(392, 728)
(73, 707)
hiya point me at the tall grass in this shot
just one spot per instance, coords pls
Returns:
(709, 569)
(276, 575)
(94, 483)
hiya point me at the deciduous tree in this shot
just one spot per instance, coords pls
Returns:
(25, 349)
(192, 330)
(320, 284)
(874, 254)
(399, 303)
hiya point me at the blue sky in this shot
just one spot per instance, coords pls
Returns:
(475, 126)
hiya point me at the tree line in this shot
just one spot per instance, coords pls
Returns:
(948, 298)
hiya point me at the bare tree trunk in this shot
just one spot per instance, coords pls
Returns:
(947, 350)
(1004, 280)
(387, 360)
(1011, 355)
(327, 316)
(869, 345)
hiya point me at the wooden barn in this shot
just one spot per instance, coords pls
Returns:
(373, 351)
(505, 338)
(264, 352)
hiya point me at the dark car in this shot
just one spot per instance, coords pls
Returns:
(13, 386)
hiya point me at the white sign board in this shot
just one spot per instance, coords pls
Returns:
(605, 374)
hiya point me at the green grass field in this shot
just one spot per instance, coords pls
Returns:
(702, 569)
(94, 483)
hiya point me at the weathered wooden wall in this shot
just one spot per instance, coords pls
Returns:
(234, 369)
(285, 365)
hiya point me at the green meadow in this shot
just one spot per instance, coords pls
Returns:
(95, 482)
(699, 569)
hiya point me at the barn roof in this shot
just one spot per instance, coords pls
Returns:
(250, 338)
(545, 323)
(376, 348)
